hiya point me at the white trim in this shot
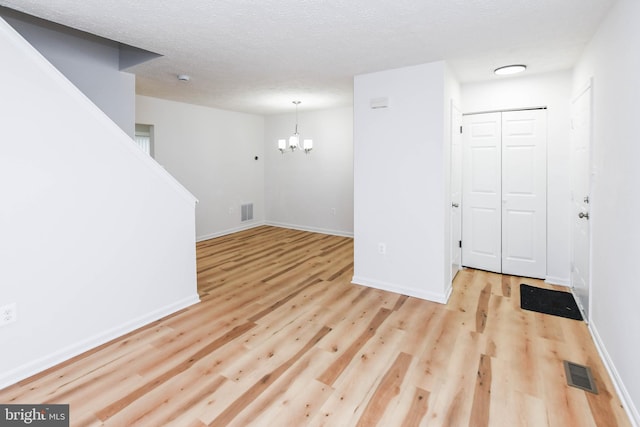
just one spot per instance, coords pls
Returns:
(255, 224)
(390, 287)
(311, 229)
(46, 362)
(580, 306)
(558, 281)
(506, 110)
(248, 226)
(447, 295)
(623, 394)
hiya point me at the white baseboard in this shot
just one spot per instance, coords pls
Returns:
(627, 402)
(255, 224)
(561, 281)
(39, 365)
(448, 295)
(311, 229)
(390, 287)
(247, 226)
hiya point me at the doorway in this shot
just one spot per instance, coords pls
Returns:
(144, 138)
(504, 216)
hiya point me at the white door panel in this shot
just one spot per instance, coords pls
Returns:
(518, 171)
(524, 193)
(481, 184)
(484, 232)
(485, 170)
(519, 241)
(580, 198)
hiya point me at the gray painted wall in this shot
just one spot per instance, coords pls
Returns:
(89, 62)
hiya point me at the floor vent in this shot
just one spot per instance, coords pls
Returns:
(579, 376)
(246, 212)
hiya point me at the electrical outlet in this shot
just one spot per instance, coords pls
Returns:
(382, 248)
(8, 314)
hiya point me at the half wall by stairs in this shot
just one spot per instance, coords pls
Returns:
(96, 239)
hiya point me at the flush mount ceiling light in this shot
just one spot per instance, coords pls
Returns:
(294, 140)
(184, 77)
(510, 69)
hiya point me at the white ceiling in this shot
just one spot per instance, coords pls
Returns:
(257, 56)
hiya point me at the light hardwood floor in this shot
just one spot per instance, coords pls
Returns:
(282, 338)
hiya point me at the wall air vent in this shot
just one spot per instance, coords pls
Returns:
(246, 212)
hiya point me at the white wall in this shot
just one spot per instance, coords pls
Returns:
(612, 59)
(315, 191)
(91, 63)
(400, 181)
(97, 240)
(552, 90)
(212, 153)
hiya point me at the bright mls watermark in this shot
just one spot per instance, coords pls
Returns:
(34, 415)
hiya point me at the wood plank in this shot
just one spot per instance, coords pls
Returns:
(453, 396)
(418, 409)
(334, 371)
(482, 395)
(256, 389)
(290, 401)
(482, 308)
(360, 379)
(388, 388)
(127, 399)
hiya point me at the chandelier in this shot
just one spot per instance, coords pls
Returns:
(294, 140)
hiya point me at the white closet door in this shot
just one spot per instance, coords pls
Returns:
(524, 196)
(482, 192)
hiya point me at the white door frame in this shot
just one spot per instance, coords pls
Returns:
(456, 190)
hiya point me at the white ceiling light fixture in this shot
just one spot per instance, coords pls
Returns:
(510, 69)
(184, 77)
(294, 140)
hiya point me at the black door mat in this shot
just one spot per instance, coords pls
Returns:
(547, 301)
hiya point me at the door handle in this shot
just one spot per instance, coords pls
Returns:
(455, 205)
(584, 215)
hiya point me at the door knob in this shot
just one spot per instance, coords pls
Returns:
(455, 205)
(584, 215)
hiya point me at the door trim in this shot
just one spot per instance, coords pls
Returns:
(455, 228)
(504, 111)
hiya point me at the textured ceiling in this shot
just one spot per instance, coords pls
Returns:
(258, 56)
